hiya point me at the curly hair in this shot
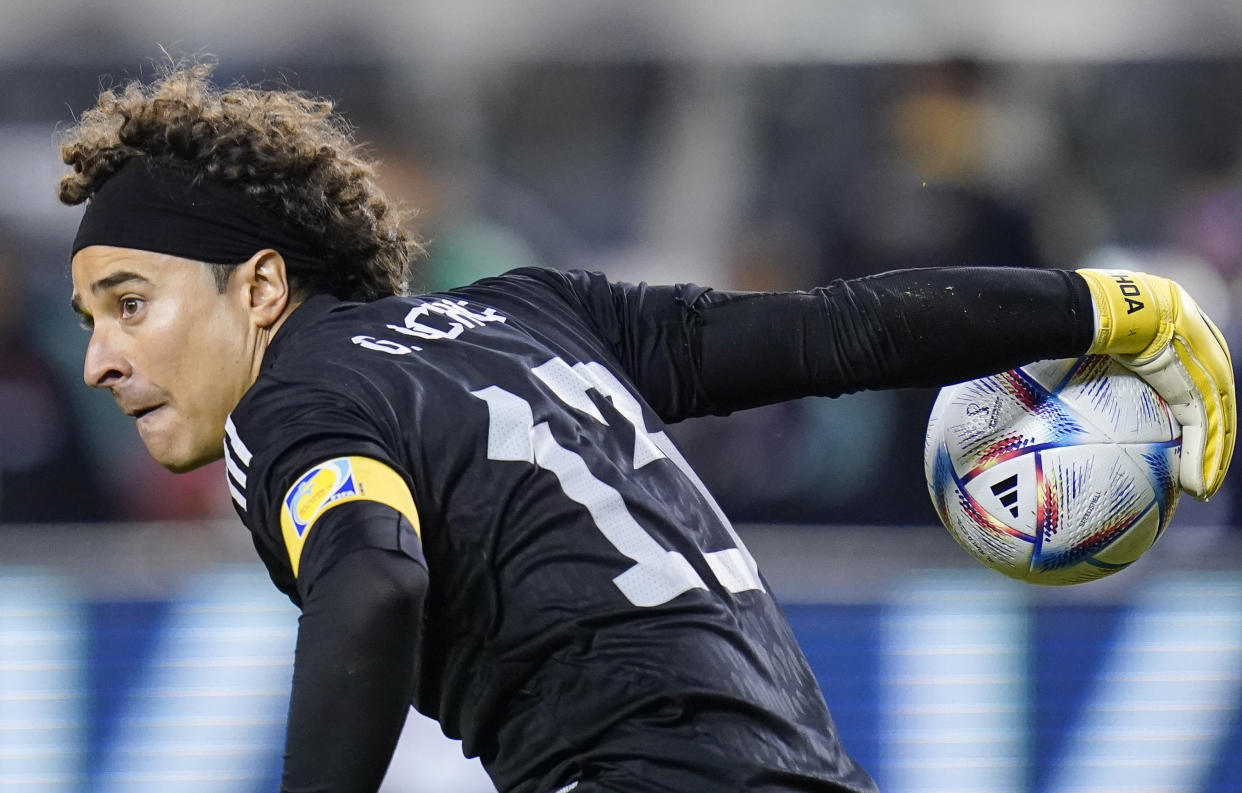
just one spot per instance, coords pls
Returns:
(288, 151)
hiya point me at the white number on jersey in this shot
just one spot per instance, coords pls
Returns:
(658, 575)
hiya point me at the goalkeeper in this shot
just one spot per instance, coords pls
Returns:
(470, 494)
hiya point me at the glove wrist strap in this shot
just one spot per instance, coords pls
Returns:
(1127, 312)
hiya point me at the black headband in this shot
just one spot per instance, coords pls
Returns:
(162, 206)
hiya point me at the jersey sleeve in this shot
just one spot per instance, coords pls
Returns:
(296, 454)
(694, 351)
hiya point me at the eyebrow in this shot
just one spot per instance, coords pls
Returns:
(104, 284)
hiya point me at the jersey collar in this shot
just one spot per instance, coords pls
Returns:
(307, 313)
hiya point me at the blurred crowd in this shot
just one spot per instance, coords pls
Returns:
(736, 176)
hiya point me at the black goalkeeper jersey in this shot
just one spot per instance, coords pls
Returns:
(592, 617)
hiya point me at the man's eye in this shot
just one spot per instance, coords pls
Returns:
(130, 306)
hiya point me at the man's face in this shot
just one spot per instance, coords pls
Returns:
(176, 354)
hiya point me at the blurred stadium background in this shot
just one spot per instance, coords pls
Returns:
(747, 145)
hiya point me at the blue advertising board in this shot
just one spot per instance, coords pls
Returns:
(949, 683)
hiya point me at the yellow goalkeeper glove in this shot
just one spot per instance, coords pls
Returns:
(1153, 327)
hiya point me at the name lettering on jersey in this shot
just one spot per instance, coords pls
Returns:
(433, 320)
(383, 345)
(336, 482)
(1130, 292)
(459, 317)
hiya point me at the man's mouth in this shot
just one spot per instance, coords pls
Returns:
(140, 413)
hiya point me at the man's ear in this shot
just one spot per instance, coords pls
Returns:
(265, 287)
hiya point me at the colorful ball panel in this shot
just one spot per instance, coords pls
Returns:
(1055, 473)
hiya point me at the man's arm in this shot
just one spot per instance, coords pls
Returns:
(354, 668)
(901, 329)
(695, 351)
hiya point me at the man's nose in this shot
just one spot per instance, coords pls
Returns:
(104, 366)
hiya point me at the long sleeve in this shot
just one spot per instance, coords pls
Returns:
(694, 351)
(904, 329)
(354, 672)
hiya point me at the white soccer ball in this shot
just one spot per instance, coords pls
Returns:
(1054, 473)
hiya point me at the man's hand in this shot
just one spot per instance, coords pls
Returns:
(1153, 327)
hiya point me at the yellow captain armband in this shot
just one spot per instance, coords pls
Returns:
(335, 482)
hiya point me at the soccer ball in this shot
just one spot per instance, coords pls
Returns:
(1054, 473)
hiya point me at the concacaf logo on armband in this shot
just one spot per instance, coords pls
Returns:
(319, 487)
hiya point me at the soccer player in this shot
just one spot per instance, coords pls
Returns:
(470, 494)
